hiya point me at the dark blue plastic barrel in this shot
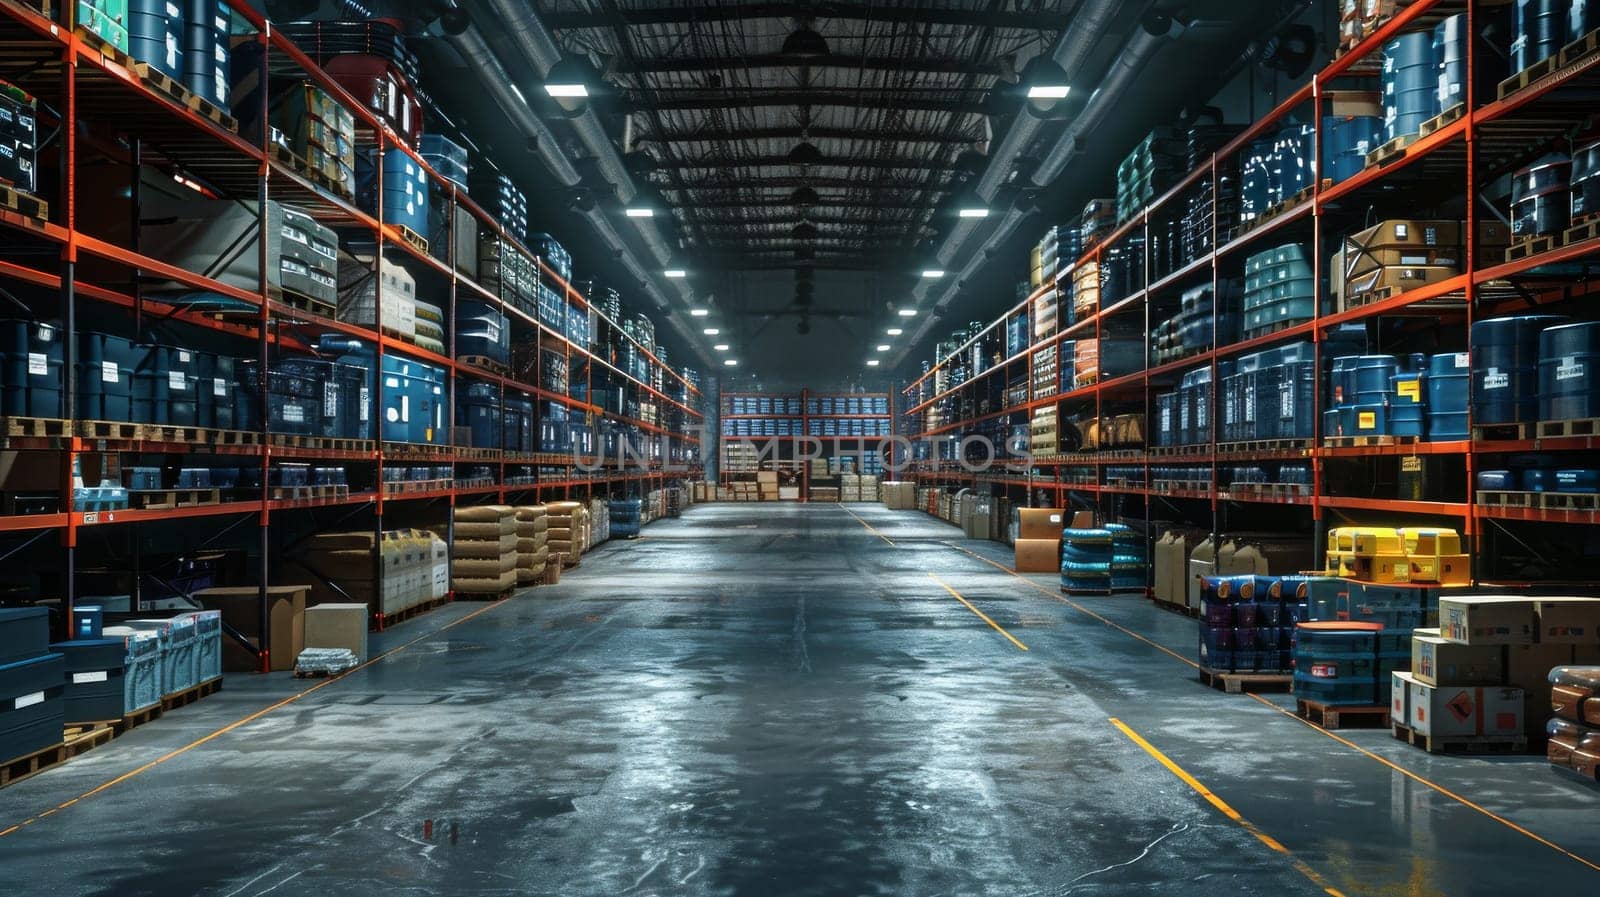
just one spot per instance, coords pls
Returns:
(1405, 405)
(1586, 480)
(1505, 364)
(1541, 27)
(1497, 480)
(1371, 378)
(30, 362)
(1366, 420)
(1535, 479)
(1569, 388)
(1336, 663)
(1541, 197)
(1346, 143)
(1586, 177)
(1410, 83)
(1450, 51)
(1583, 16)
(155, 35)
(1448, 382)
(1254, 189)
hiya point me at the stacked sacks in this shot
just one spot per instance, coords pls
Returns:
(563, 535)
(484, 551)
(533, 550)
(599, 523)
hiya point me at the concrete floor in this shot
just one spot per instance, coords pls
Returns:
(776, 700)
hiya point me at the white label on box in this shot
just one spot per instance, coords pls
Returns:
(30, 700)
(109, 372)
(86, 678)
(294, 414)
(38, 365)
(330, 399)
(1493, 379)
(219, 387)
(366, 400)
(1461, 360)
(184, 356)
(176, 380)
(1569, 369)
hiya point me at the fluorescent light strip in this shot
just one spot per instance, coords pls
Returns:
(565, 91)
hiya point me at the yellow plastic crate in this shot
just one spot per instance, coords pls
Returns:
(1431, 541)
(1374, 542)
(1446, 569)
(1383, 568)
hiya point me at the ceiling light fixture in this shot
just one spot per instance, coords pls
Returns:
(711, 331)
(894, 331)
(1045, 85)
(640, 212)
(571, 82)
(883, 347)
(907, 312)
(973, 212)
(732, 363)
(675, 273)
(805, 43)
(699, 312)
(872, 362)
(933, 273)
(721, 347)
(804, 196)
(968, 204)
(805, 153)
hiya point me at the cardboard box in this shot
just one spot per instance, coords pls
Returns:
(1488, 620)
(1038, 556)
(286, 610)
(1400, 697)
(1528, 666)
(338, 626)
(1568, 621)
(1439, 661)
(1040, 523)
(1465, 711)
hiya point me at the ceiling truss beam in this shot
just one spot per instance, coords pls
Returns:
(873, 12)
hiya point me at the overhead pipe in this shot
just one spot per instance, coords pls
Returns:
(471, 45)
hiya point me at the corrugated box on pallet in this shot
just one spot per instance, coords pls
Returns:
(286, 608)
(1488, 620)
(1568, 621)
(1465, 711)
(338, 626)
(1436, 661)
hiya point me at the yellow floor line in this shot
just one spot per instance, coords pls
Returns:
(1227, 810)
(177, 752)
(1307, 723)
(865, 524)
(981, 615)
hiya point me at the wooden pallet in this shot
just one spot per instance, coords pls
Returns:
(81, 738)
(177, 92)
(320, 443)
(1168, 451)
(25, 204)
(190, 695)
(1499, 499)
(1529, 75)
(416, 450)
(174, 434)
(467, 453)
(1443, 120)
(1582, 232)
(1392, 151)
(1557, 429)
(485, 362)
(1569, 501)
(236, 437)
(108, 429)
(310, 493)
(1500, 432)
(1264, 446)
(1578, 49)
(1461, 744)
(322, 674)
(1366, 441)
(34, 428)
(1239, 683)
(14, 771)
(1529, 247)
(501, 595)
(172, 499)
(308, 304)
(417, 241)
(413, 487)
(382, 621)
(1335, 716)
(140, 717)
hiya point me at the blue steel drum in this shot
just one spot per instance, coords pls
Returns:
(1405, 405)
(1505, 362)
(1366, 420)
(1410, 83)
(1497, 480)
(1296, 400)
(1586, 177)
(1535, 479)
(1450, 52)
(1254, 189)
(1371, 378)
(1568, 386)
(1541, 27)
(1346, 143)
(1586, 480)
(1583, 16)
(1336, 662)
(1541, 201)
(1447, 382)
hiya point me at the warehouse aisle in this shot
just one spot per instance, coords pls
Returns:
(803, 700)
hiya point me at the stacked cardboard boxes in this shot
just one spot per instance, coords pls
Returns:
(1411, 554)
(1038, 548)
(767, 485)
(342, 568)
(900, 496)
(1485, 672)
(533, 525)
(483, 551)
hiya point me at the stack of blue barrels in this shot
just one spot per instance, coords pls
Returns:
(1336, 662)
(1346, 141)
(1505, 368)
(1279, 289)
(405, 188)
(1567, 377)
(1086, 557)
(1541, 197)
(1128, 563)
(1187, 477)
(1244, 628)
(1382, 395)
(1269, 395)
(1542, 27)
(625, 518)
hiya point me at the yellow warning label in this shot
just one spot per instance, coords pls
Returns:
(1367, 420)
(1410, 389)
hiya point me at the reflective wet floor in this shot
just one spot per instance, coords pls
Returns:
(783, 700)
